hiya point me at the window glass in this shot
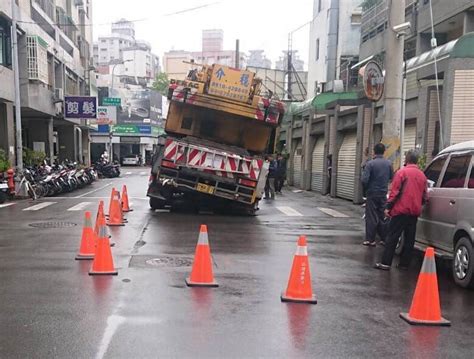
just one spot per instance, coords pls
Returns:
(455, 175)
(434, 170)
(470, 184)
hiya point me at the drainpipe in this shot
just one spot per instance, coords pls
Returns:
(333, 16)
(78, 147)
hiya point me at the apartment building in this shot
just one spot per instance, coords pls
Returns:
(55, 47)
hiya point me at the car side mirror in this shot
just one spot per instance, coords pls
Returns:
(431, 184)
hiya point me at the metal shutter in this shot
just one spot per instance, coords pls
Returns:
(297, 166)
(317, 167)
(462, 125)
(409, 138)
(346, 167)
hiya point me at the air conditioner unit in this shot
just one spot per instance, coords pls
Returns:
(58, 94)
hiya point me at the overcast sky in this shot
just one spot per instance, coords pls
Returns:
(259, 24)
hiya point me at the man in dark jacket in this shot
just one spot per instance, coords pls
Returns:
(404, 205)
(280, 174)
(375, 178)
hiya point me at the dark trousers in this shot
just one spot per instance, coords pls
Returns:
(279, 180)
(374, 218)
(270, 188)
(400, 224)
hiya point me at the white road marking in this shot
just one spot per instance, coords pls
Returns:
(142, 173)
(333, 212)
(289, 211)
(113, 322)
(80, 206)
(128, 173)
(90, 192)
(39, 206)
(6, 205)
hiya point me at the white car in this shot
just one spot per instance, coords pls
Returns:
(131, 160)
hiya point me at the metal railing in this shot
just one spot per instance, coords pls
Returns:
(47, 6)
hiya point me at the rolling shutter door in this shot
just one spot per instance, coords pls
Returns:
(317, 167)
(346, 167)
(409, 139)
(297, 166)
(462, 125)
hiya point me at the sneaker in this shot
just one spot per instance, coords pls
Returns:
(381, 266)
(368, 243)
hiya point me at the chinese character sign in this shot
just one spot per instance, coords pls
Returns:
(231, 83)
(80, 107)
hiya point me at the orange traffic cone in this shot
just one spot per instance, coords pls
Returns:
(201, 274)
(299, 284)
(103, 263)
(100, 213)
(125, 204)
(115, 210)
(425, 308)
(87, 249)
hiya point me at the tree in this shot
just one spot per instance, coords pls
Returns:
(161, 83)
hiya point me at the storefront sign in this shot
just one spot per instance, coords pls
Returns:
(111, 101)
(106, 115)
(80, 107)
(132, 129)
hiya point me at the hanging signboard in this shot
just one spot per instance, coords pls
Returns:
(373, 80)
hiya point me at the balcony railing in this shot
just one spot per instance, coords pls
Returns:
(47, 6)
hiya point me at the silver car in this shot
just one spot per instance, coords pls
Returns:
(447, 221)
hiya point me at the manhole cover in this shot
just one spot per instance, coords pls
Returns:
(169, 262)
(46, 225)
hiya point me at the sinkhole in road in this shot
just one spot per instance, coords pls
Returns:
(53, 224)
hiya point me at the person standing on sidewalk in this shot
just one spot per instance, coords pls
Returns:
(407, 197)
(280, 175)
(270, 184)
(376, 175)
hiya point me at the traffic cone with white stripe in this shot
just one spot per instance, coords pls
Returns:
(87, 249)
(115, 210)
(425, 308)
(201, 274)
(103, 263)
(100, 213)
(125, 203)
(299, 288)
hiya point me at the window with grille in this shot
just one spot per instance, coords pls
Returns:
(37, 58)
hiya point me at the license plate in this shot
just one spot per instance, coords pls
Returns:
(201, 187)
(3, 185)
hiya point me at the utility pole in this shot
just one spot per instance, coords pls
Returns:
(16, 74)
(237, 54)
(394, 83)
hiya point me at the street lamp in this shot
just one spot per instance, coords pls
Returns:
(111, 148)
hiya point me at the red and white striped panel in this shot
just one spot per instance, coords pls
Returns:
(255, 168)
(170, 149)
(181, 154)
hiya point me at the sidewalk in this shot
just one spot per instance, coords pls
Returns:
(319, 200)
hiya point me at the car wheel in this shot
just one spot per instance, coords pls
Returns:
(399, 247)
(3, 197)
(463, 265)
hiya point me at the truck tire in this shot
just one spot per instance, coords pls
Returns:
(156, 203)
(463, 263)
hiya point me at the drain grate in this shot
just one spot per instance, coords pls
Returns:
(47, 225)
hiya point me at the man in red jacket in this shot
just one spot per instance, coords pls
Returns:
(404, 205)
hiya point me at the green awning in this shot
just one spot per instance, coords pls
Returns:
(320, 101)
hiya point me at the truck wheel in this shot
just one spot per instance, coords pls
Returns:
(156, 203)
(3, 197)
(252, 211)
(463, 263)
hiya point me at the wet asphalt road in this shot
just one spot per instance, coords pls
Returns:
(51, 308)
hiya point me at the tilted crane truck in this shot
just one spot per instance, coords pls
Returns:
(218, 129)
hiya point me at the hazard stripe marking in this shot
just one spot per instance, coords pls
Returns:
(333, 213)
(289, 211)
(39, 206)
(80, 206)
